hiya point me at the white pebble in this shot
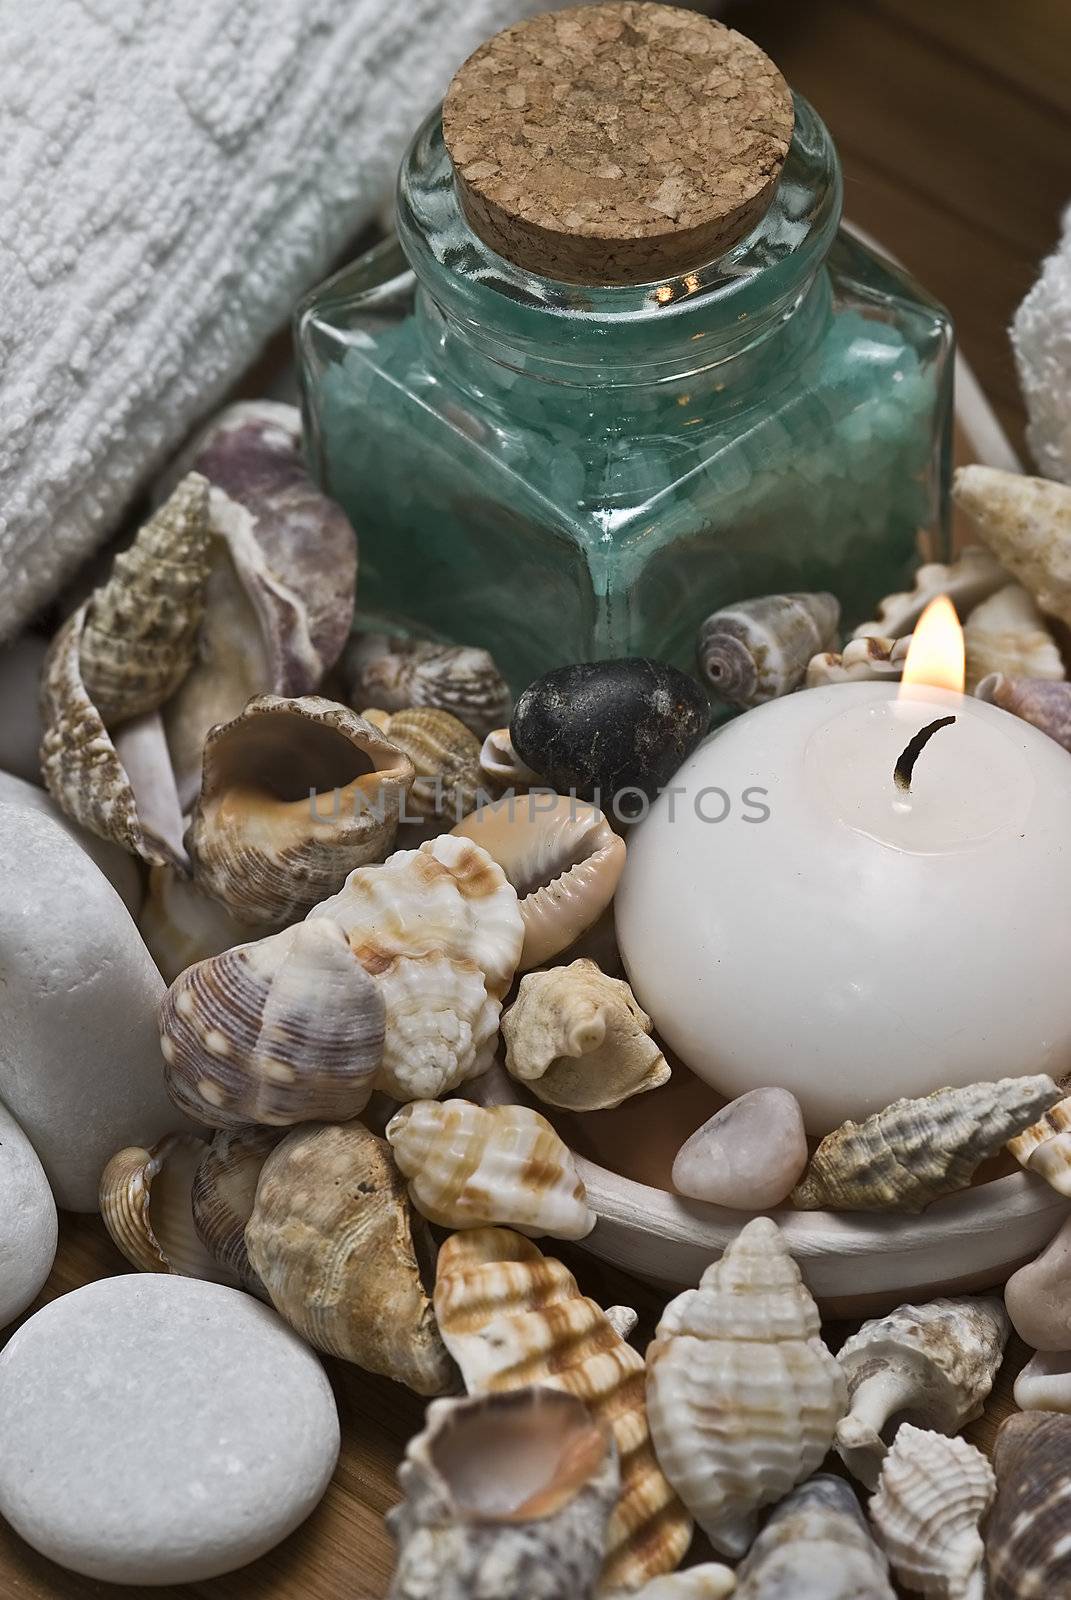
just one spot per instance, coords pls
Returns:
(1045, 1382)
(28, 1227)
(750, 1155)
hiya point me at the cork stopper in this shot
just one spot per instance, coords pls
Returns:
(616, 143)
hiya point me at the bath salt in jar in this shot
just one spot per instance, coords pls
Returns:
(620, 367)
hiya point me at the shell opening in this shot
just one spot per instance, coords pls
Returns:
(540, 868)
(517, 1467)
(286, 756)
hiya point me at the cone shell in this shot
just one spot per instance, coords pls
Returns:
(1026, 522)
(284, 1030)
(759, 649)
(505, 1494)
(861, 661)
(1040, 701)
(395, 673)
(223, 1195)
(973, 577)
(1045, 1147)
(334, 1242)
(1028, 1550)
(145, 1202)
(501, 766)
(915, 1151)
(742, 1395)
(470, 1166)
(562, 857)
(932, 1496)
(815, 1546)
(1007, 633)
(579, 1040)
(182, 926)
(930, 1365)
(511, 1316)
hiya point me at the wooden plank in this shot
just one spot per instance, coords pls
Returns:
(1024, 46)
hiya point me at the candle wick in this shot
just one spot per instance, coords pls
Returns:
(906, 765)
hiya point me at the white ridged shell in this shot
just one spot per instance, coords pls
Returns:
(931, 1498)
(972, 577)
(1007, 633)
(1026, 522)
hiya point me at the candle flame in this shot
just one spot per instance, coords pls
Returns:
(936, 654)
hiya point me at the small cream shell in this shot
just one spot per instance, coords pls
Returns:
(1045, 1147)
(931, 1498)
(971, 578)
(1007, 633)
(862, 660)
(145, 1203)
(502, 767)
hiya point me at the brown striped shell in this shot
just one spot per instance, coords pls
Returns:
(223, 1194)
(146, 1206)
(393, 673)
(445, 757)
(1027, 1546)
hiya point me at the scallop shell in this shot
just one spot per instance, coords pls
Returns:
(1028, 1552)
(502, 767)
(511, 1316)
(335, 1244)
(815, 1546)
(915, 1151)
(930, 1365)
(1040, 701)
(562, 857)
(758, 649)
(140, 633)
(710, 1581)
(742, 1395)
(505, 1495)
(223, 1194)
(182, 926)
(579, 1040)
(146, 1207)
(280, 1031)
(394, 673)
(973, 577)
(1045, 1147)
(861, 660)
(932, 1496)
(1007, 633)
(446, 759)
(470, 1166)
(295, 795)
(1026, 522)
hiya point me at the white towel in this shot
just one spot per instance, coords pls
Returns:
(174, 174)
(1041, 335)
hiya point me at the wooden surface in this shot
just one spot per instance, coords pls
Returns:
(954, 121)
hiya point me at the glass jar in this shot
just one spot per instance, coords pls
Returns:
(562, 473)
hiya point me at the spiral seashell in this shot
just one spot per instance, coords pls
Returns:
(146, 1207)
(449, 781)
(511, 1316)
(182, 926)
(502, 767)
(973, 577)
(393, 673)
(281, 1031)
(295, 795)
(562, 857)
(915, 1151)
(1028, 1553)
(815, 1546)
(1026, 523)
(930, 1365)
(758, 649)
(223, 1194)
(1045, 1147)
(441, 1025)
(710, 1581)
(742, 1395)
(862, 660)
(932, 1496)
(579, 1040)
(505, 1494)
(1040, 701)
(333, 1240)
(1007, 633)
(470, 1166)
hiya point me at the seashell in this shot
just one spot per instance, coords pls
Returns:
(334, 1242)
(284, 1030)
(758, 649)
(470, 1166)
(915, 1151)
(932, 1496)
(1038, 1296)
(748, 1155)
(930, 1365)
(264, 841)
(1026, 522)
(140, 633)
(1045, 1147)
(1028, 1552)
(505, 1494)
(1007, 633)
(861, 660)
(815, 1546)
(623, 1320)
(394, 673)
(146, 1207)
(1044, 1384)
(511, 1316)
(446, 759)
(501, 766)
(742, 1395)
(182, 926)
(973, 577)
(579, 1040)
(223, 1194)
(710, 1581)
(1040, 701)
(562, 857)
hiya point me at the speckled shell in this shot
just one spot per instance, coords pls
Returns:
(1026, 522)
(501, 766)
(742, 1395)
(579, 1040)
(815, 1546)
(511, 1316)
(181, 926)
(861, 660)
(1007, 633)
(335, 1244)
(505, 1495)
(223, 1194)
(1027, 1546)
(931, 1365)
(932, 1496)
(758, 649)
(562, 857)
(295, 795)
(470, 1166)
(1045, 1147)
(394, 673)
(281, 1031)
(445, 754)
(915, 1151)
(1044, 703)
(710, 1581)
(146, 1207)
(973, 577)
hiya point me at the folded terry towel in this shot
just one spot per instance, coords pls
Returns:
(173, 177)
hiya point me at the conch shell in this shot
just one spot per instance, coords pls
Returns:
(815, 1546)
(915, 1151)
(223, 1194)
(181, 926)
(506, 1495)
(973, 577)
(511, 1316)
(445, 755)
(579, 1040)
(742, 1395)
(1045, 1147)
(1026, 522)
(335, 1245)
(562, 857)
(284, 1030)
(1040, 701)
(146, 1207)
(758, 649)
(1007, 633)
(392, 672)
(932, 1496)
(873, 657)
(470, 1166)
(1028, 1553)
(930, 1365)
(502, 767)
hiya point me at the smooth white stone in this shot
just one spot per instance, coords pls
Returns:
(749, 1155)
(28, 1223)
(120, 869)
(1045, 1383)
(161, 1430)
(20, 719)
(80, 1063)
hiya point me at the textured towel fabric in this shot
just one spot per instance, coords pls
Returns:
(174, 175)
(1041, 334)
